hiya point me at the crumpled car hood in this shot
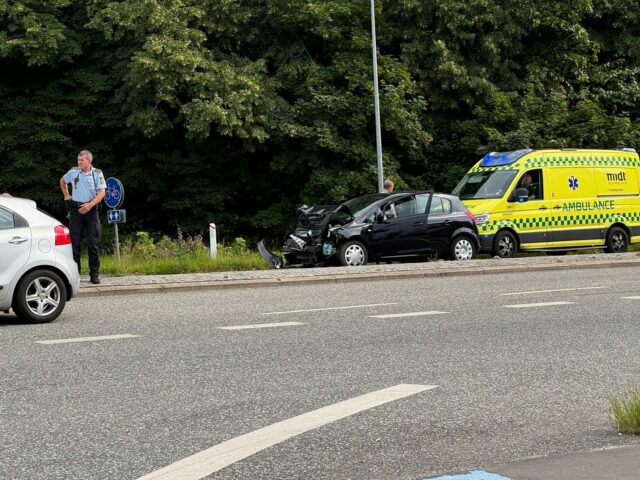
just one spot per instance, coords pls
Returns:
(315, 217)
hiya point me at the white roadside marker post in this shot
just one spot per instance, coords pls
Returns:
(212, 240)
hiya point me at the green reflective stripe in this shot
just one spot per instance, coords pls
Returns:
(494, 169)
(560, 221)
(582, 161)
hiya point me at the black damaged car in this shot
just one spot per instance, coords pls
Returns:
(380, 227)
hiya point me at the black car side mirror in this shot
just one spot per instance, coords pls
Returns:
(522, 195)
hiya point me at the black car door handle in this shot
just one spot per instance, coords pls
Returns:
(417, 224)
(542, 208)
(557, 207)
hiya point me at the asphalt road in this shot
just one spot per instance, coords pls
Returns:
(512, 383)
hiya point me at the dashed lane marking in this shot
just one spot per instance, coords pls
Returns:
(410, 314)
(474, 475)
(555, 290)
(330, 308)
(631, 298)
(85, 339)
(213, 459)
(261, 325)
(533, 305)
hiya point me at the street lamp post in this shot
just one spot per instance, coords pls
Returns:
(376, 96)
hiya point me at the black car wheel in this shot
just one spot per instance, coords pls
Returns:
(463, 248)
(505, 245)
(617, 240)
(40, 296)
(353, 254)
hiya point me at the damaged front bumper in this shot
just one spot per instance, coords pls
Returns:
(312, 243)
(273, 260)
(299, 252)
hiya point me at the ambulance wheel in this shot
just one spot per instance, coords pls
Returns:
(505, 245)
(617, 240)
(353, 254)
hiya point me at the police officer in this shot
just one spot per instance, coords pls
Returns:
(88, 191)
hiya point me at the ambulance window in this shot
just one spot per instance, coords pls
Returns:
(532, 181)
(484, 184)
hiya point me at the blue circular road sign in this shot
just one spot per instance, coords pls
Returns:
(114, 194)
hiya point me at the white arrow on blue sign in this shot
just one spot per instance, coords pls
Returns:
(116, 216)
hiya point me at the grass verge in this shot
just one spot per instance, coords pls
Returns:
(142, 255)
(624, 413)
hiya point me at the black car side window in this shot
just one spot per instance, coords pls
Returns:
(422, 201)
(436, 206)
(6, 220)
(405, 207)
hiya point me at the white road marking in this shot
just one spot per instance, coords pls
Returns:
(85, 339)
(213, 459)
(330, 308)
(556, 290)
(410, 314)
(631, 298)
(532, 305)
(261, 325)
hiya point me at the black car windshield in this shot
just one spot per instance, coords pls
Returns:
(358, 205)
(487, 184)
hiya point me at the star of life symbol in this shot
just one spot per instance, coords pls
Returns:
(573, 183)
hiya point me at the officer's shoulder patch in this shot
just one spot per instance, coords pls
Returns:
(101, 180)
(98, 170)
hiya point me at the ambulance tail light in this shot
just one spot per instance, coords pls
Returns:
(63, 237)
(484, 218)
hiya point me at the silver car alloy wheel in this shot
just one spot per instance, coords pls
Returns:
(463, 249)
(42, 296)
(354, 255)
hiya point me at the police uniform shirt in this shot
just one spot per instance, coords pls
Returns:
(85, 185)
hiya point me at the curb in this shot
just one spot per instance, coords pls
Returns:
(91, 291)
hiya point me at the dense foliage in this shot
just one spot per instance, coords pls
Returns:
(236, 111)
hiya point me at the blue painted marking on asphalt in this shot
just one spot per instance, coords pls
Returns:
(475, 475)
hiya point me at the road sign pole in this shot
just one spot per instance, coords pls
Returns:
(117, 242)
(113, 197)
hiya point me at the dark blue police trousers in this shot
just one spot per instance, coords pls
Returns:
(88, 223)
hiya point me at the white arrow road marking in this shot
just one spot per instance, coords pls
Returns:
(410, 314)
(330, 308)
(544, 304)
(85, 339)
(219, 456)
(261, 325)
(551, 291)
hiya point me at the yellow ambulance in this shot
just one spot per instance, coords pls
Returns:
(554, 200)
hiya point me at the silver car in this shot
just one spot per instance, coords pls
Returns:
(37, 272)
